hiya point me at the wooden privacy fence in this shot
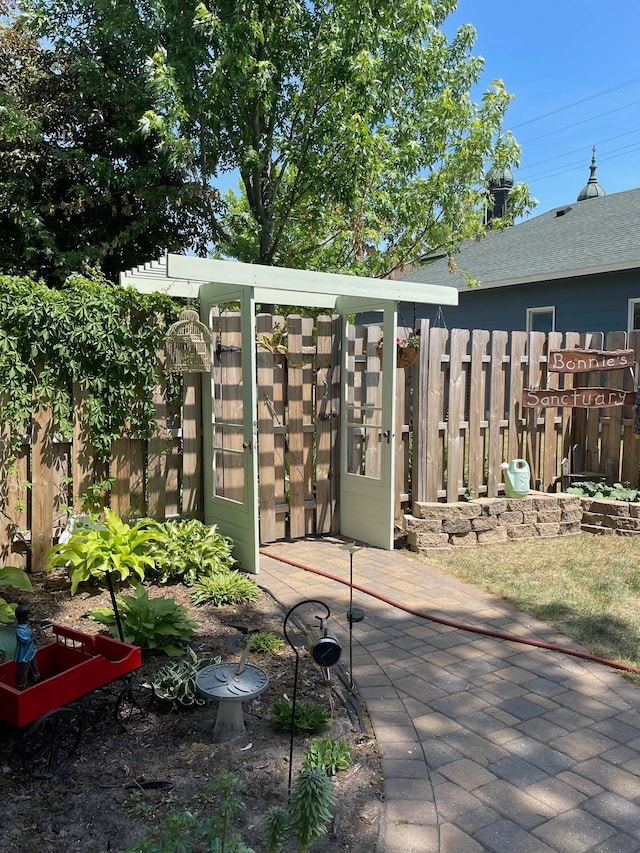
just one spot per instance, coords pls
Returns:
(459, 415)
(469, 416)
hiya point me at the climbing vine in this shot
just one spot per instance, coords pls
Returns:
(91, 332)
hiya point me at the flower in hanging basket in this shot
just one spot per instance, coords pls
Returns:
(407, 348)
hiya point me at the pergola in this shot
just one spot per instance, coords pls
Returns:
(366, 498)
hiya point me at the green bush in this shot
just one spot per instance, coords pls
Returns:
(111, 547)
(11, 576)
(264, 642)
(309, 717)
(617, 492)
(307, 814)
(151, 623)
(188, 550)
(224, 588)
(175, 683)
(328, 755)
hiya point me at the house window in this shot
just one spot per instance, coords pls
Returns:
(541, 319)
(634, 315)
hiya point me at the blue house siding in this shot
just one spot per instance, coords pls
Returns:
(584, 304)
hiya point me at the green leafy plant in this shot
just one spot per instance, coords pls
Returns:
(151, 623)
(617, 492)
(175, 683)
(11, 576)
(307, 814)
(264, 642)
(222, 588)
(308, 717)
(330, 756)
(112, 547)
(186, 831)
(188, 550)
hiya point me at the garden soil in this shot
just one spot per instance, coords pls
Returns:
(125, 781)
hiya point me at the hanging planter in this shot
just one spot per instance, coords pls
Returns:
(407, 350)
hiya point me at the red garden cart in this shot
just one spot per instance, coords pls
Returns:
(73, 665)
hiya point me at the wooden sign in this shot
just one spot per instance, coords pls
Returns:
(577, 398)
(583, 360)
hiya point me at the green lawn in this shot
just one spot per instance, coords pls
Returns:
(587, 586)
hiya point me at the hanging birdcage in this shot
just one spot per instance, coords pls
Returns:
(188, 344)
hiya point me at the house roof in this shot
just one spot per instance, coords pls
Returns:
(582, 238)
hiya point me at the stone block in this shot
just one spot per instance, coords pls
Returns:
(530, 517)
(549, 529)
(597, 528)
(422, 525)
(549, 516)
(519, 504)
(617, 508)
(485, 537)
(569, 528)
(456, 525)
(634, 510)
(420, 541)
(468, 539)
(568, 501)
(484, 523)
(593, 518)
(510, 518)
(543, 502)
(521, 531)
(492, 506)
(630, 524)
(573, 514)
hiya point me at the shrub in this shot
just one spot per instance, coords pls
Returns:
(188, 550)
(265, 642)
(328, 755)
(176, 682)
(306, 816)
(224, 588)
(112, 547)
(309, 717)
(617, 492)
(151, 623)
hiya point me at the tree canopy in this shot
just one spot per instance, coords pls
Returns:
(348, 125)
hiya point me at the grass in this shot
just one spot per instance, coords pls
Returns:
(586, 586)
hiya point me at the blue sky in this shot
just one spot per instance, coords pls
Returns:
(552, 55)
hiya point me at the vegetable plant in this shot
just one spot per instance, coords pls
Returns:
(112, 547)
(617, 492)
(188, 550)
(151, 623)
(224, 588)
(328, 755)
(11, 576)
(308, 718)
(176, 682)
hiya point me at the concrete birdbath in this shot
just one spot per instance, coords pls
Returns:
(230, 684)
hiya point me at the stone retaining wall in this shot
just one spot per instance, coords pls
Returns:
(608, 517)
(439, 525)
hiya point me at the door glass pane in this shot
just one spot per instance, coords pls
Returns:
(541, 320)
(228, 428)
(636, 315)
(364, 400)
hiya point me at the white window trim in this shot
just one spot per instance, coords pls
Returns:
(543, 309)
(631, 303)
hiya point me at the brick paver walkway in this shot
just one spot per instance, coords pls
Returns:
(486, 745)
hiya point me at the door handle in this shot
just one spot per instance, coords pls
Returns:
(387, 434)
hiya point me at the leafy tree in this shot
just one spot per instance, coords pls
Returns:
(79, 184)
(350, 124)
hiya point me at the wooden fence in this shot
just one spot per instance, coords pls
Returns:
(458, 411)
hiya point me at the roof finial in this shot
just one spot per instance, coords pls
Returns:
(592, 188)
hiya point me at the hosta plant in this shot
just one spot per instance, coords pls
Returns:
(114, 547)
(11, 576)
(264, 642)
(308, 717)
(175, 683)
(188, 550)
(151, 623)
(224, 588)
(330, 756)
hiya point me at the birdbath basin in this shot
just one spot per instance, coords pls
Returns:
(230, 684)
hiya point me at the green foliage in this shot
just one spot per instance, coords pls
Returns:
(11, 576)
(264, 642)
(309, 717)
(185, 831)
(175, 683)
(617, 492)
(91, 334)
(329, 755)
(112, 547)
(151, 623)
(189, 550)
(355, 129)
(306, 815)
(79, 184)
(223, 588)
